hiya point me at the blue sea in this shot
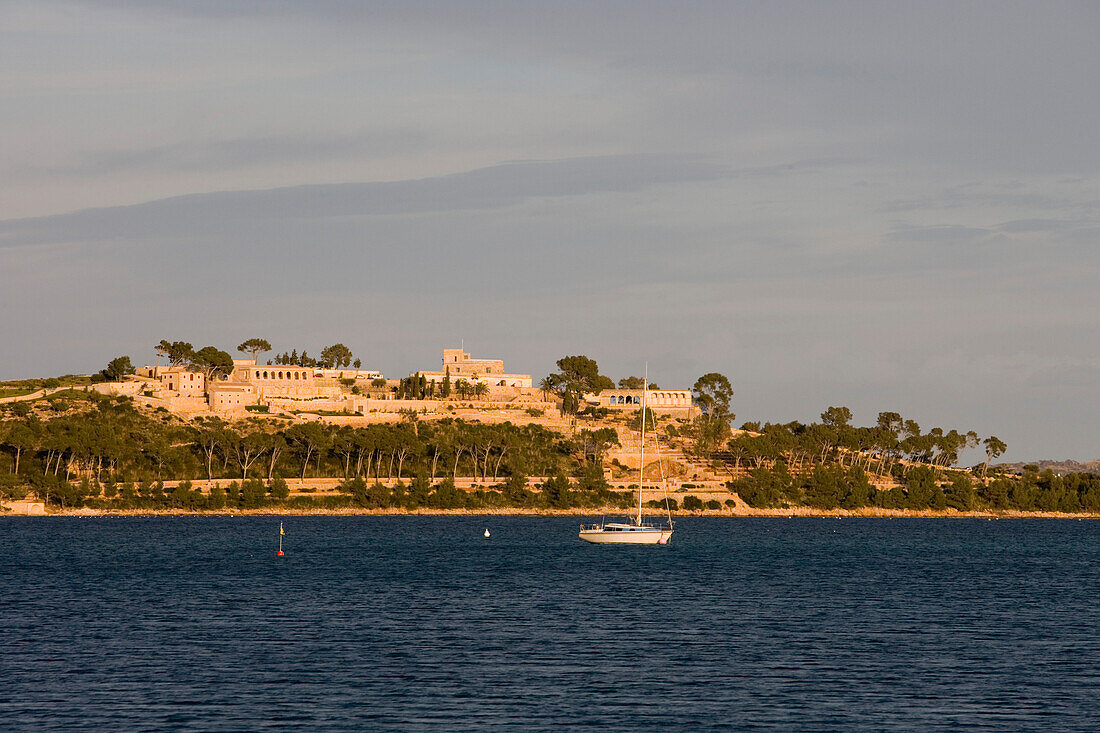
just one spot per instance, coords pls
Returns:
(422, 624)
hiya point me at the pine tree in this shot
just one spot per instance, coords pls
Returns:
(446, 391)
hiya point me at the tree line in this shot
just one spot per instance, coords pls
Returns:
(832, 486)
(835, 464)
(895, 464)
(113, 443)
(215, 363)
(876, 449)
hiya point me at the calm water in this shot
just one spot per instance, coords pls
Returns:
(422, 624)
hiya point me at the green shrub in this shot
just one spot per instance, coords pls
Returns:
(922, 491)
(766, 488)
(253, 493)
(960, 495)
(217, 498)
(591, 478)
(233, 495)
(279, 490)
(825, 487)
(445, 496)
(10, 486)
(515, 490)
(693, 503)
(556, 493)
(892, 499)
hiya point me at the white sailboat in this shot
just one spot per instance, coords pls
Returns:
(634, 532)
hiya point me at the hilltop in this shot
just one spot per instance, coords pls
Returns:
(1060, 468)
(153, 442)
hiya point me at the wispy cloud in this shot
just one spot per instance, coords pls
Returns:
(485, 188)
(952, 234)
(221, 155)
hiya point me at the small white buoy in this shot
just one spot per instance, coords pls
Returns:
(486, 531)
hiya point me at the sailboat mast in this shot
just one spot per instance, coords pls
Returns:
(641, 448)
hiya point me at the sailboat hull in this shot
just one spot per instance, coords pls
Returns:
(635, 537)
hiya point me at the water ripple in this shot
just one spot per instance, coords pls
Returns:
(404, 623)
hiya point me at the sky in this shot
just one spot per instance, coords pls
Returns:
(887, 206)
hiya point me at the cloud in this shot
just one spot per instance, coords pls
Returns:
(951, 234)
(1027, 226)
(221, 155)
(486, 188)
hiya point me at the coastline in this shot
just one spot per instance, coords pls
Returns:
(740, 512)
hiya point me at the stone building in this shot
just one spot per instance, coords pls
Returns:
(285, 386)
(460, 365)
(175, 379)
(230, 397)
(675, 402)
(291, 387)
(275, 381)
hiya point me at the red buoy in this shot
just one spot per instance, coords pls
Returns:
(279, 553)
